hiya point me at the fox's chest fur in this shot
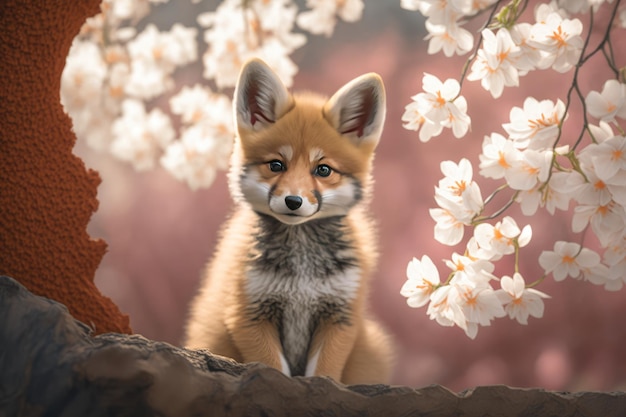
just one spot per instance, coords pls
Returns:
(299, 276)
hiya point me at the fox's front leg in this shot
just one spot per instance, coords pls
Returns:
(258, 341)
(330, 348)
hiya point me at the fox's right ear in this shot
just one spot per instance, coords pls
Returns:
(260, 97)
(357, 110)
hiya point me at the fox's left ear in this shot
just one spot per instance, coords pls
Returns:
(357, 109)
(260, 96)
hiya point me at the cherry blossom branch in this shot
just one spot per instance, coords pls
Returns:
(511, 13)
(537, 282)
(472, 57)
(498, 213)
(529, 161)
(495, 192)
(575, 87)
(607, 34)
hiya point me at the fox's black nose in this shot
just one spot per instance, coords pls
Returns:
(293, 202)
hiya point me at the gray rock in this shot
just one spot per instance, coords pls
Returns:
(51, 365)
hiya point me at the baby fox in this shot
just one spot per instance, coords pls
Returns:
(288, 283)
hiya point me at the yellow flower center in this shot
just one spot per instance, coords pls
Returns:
(503, 55)
(427, 286)
(502, 160)
(458, 188)
(440, 100)
(617, 154)
(559, 36)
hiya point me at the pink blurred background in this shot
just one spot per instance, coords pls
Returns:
(161, 234)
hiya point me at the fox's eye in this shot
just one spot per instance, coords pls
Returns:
(323, 170)
(276, 166)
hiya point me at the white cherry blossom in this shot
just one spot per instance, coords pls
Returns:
(499, 239)
(495, 62)
(444, 307)
(83, 77)
(498, 156)
(530, 168)
(567, 259)
(437, 99)
(608, 157)
(458, 119)
(536, 125)
(196, 156)
(577, 6)
(451, 39)
(422, 281)
(438, 12)
(459, 200)
(588, 189)
(140, 136)
(596, 190)
(414, 120)
(479, 303)
(411, 4)
(437, 107)
(607, 221)
(559, 40)
(155, 55)
(529, 58)
(238, 31)
(457, 181)
(191, 103)
(608, 104)
(543, 10)
(451, 220)
(85, 95)
(601, 132)
(206, 141)
(616, 278)
(597, 275)
(545, 195)
(133, 10)
(461, 264)
(147, 80)
(322, 18)
(615, 259)
(520, 302)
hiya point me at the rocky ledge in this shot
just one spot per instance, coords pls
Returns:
(52, 365)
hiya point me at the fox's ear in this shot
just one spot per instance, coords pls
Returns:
(260, 97)
(358, 109)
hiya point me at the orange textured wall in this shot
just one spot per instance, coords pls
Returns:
(47, 196)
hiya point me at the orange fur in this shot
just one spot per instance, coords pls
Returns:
(347, 346)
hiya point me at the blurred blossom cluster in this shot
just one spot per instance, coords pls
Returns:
(119, 86)
(531, 158)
